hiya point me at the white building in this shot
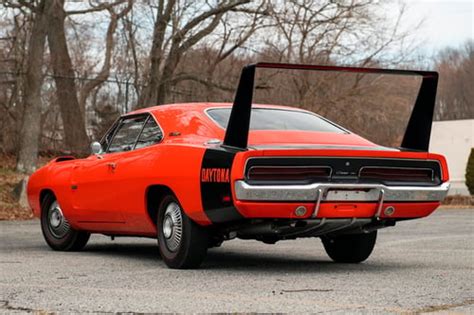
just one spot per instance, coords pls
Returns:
(454, 139)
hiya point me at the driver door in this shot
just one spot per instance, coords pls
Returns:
(94, 198)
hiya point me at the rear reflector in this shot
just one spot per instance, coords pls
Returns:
(288, 172)
(397, 174)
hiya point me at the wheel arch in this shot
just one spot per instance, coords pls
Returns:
(155, 193)
(43, 194)
(153, 196)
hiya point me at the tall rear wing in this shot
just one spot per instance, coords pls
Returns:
(417, 133)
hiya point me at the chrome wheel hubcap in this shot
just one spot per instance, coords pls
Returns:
(58, 225)
(172, 226)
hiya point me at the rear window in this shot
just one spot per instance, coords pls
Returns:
(277, 119)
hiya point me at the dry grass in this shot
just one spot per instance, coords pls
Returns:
(459, 201)
(9, 207)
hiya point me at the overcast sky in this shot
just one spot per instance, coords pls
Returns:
(446, 22)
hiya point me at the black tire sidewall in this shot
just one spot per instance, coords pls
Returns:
(73, 240)
(193, 245)
(166, 254)
(351, 248)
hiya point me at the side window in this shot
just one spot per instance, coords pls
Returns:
(127, 134)
(108, 136)
(151, 134)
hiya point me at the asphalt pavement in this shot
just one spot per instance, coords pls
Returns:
(418, 266)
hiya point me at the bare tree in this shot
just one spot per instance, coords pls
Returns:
(14, 31)
(74, 126)
(30, 125)
(184, 50)
(335, 32)
(187, 22)
(109, 48)
(456, 97)
(72, 106)
(232, 34)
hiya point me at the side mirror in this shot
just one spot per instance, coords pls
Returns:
(96, 148)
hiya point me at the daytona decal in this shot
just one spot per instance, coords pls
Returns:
(215, 175)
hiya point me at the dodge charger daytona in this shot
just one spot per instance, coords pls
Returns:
(195, 175)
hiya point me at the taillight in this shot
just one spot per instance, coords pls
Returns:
(397, 174)
(289, 173)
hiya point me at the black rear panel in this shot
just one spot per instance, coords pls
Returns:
(216, 194)
(348, 170)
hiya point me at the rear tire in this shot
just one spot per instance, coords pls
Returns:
(350, 248)
(57, 232)
(183, 243)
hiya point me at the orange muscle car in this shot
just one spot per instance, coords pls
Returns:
(195, 175)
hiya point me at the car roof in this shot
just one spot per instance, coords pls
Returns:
(193, 125)
(202, 107)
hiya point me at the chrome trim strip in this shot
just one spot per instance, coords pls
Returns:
(350, 192)
(319, 147)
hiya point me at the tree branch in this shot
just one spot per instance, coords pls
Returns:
(96, 8)
(221, 8)
(109, 47)
(198, 79)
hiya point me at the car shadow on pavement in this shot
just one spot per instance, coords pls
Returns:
(275, 262)
(219, 259)
(138, 251)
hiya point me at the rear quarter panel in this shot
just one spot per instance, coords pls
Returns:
(179, 168)
(172, 165)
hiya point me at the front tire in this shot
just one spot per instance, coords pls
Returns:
(183, 243)
(350, 248)
(57, 232)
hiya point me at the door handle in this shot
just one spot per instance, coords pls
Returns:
(112, 165)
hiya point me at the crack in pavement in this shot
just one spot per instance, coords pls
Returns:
(307, 290)
(5, 304)
(441, 307)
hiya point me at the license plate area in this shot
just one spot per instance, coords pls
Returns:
(349, 194)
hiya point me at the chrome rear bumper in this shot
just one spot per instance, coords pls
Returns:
(318, 192)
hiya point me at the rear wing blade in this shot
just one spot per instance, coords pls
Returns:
(417, 133)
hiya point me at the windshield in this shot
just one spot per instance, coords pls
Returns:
(278, 119)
